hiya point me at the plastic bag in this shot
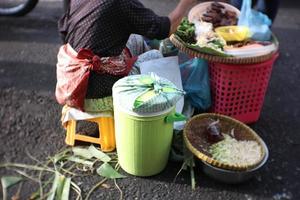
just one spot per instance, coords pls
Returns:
(195, 80)
(257, 22)
(167, 48)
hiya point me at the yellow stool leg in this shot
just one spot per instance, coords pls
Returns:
(107, 133)
(71, 129)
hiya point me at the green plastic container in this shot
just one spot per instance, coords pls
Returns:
(143, 142)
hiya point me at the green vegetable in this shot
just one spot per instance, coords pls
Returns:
(8, 181)
(218, 43)
(215, 47)
(207, 50)
(186, 31)
(107, 171)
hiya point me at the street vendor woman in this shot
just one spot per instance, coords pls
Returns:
(99, 47)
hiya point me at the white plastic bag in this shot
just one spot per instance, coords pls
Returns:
(258, 22)
(168, 68)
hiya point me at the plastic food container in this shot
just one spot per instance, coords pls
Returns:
(143, 139)
(233, 33)
(144, 142)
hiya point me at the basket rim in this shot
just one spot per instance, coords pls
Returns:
(225, 60)
(217, 163)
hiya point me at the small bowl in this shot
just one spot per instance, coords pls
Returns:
(231, 176)
(233, 33)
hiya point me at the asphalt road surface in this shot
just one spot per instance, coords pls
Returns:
(30, 115)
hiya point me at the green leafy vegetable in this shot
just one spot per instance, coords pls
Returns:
(106, 170)
(186, 31)
(54, 186)
(53, 175)
(207, 50)
(99, 154)
(60, 186)
(81, 161)
(61, 155)
(8, 181)
(66, 189)
(82, 152)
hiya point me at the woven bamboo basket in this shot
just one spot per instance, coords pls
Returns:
(218, 59)
(195, 131)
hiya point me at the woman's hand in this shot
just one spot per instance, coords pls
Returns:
(178, 13)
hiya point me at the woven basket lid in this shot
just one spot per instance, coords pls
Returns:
(196, 140)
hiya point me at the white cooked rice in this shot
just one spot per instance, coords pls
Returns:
(232, 151)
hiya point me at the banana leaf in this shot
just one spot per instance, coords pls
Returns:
(206, 50)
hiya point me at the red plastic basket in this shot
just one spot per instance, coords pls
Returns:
(238, 91)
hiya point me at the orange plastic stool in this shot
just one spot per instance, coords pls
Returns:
(106, 138)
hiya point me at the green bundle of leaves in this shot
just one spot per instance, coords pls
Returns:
(186, 31)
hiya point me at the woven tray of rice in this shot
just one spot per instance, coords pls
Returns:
(245, 145)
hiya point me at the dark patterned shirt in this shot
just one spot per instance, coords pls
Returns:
(104, 26)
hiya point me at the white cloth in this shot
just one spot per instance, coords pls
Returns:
(69, 113)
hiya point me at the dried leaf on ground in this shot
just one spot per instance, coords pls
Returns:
(99, 154)
(8, 181)
(106, 170)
